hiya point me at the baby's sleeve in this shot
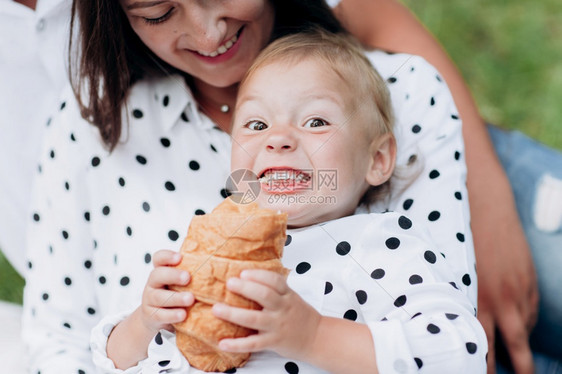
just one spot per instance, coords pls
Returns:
(163, 355)
(418, 318)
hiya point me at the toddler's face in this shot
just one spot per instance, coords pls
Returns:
(294, 128)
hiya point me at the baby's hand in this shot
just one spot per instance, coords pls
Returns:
(286, 324)
(160, 306)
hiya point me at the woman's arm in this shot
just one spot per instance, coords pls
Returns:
(60, 303)
(507, 283)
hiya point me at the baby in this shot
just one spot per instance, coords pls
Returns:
(366, 292)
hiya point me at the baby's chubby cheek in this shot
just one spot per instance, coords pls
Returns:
(240, 158)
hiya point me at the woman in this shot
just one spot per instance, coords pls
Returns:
(104, 236)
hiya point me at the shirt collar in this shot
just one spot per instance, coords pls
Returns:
(178, 105)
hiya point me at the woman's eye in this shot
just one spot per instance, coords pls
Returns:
(315, 122)
(157, 20)
(256, 125)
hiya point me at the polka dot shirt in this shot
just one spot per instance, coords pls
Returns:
(375, 269)
(97, 217)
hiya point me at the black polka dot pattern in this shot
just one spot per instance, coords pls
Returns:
(303, 267)
(433, 329)
(165, 142)
(173, 235)
(95, 161)
(152, 187)
(400, 301)
(434, 174)
(471, 348)
(350, 315)
(407, 204)
(291, 368)
(434, 216)
(415, 279)
(430, 257)
(404, 223)
(377, 274)
(392, 243)
(141, 159)
(194, 165)
(361, 297)
(288, 240)
(343, 248)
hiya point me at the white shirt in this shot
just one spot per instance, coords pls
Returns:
(98, 217)
(375, 269)
(32, 72)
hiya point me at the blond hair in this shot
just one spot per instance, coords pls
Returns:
(346, 58)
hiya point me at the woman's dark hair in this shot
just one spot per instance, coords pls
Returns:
(110, 57)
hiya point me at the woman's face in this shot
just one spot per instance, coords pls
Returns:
(214, 41)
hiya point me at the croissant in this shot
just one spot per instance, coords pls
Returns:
(218, 246)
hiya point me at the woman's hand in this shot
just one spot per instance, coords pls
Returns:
(161, 306)
(286, 324)
(507, 286)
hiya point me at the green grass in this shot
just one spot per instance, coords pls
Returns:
(11, 284)
(509, 51)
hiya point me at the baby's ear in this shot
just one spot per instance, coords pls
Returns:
(383, 159)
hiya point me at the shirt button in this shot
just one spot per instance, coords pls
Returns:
(40, 24)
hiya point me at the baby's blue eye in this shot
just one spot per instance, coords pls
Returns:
(315, 122)
(256, 125)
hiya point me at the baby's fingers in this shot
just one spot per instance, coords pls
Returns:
(252, 319)
(164, 276)
(268, 278)
(165, 257)
(163, 316)
(263, 294)
(161, 298)
(252, 343)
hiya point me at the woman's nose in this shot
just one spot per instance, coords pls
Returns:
(203, 28)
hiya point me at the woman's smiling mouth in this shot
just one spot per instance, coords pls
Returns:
(222, 52)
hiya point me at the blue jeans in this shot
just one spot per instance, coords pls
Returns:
(526, 163)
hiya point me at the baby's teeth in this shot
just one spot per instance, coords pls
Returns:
(229, 44)
(221, 49)
(213, 54)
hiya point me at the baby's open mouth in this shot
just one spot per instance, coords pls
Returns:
(284, 175)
